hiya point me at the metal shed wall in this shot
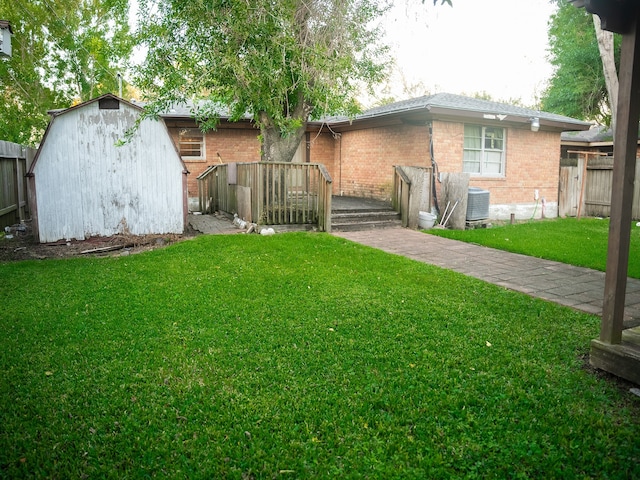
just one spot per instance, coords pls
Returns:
(86, 186)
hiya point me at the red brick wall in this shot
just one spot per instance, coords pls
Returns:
(322, 150)
(365, 158)
(532, 162)
(233, 145)
(360, 162)
(242, 145)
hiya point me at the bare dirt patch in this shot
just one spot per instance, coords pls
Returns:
(19, 244)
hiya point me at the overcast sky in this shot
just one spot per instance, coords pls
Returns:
(493, 46)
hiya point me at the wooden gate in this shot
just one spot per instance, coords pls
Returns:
(587, 191)
(14, 163)
(569, 191)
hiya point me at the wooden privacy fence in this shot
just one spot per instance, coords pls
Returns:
(585, 188)
(14, 163)
(269, 193)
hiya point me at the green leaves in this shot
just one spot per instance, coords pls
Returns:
(577, 87)
(281, 62)
(64, 51)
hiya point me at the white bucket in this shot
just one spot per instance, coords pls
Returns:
(426, 220)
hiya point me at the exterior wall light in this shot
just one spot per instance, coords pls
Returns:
(535, 124)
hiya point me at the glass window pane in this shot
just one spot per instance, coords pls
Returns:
(471, 162)
(493, 163)
(483, 150)
(470, 167)
(493, 138)
(191, 143)
(472, 137)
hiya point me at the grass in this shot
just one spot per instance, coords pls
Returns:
(296, 356)
(577, 242)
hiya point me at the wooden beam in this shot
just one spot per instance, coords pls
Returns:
(626, 137)
(615, 15)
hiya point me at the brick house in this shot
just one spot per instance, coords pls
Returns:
(510, 151)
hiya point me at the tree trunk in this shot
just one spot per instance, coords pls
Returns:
(277, 147)
(605, 45)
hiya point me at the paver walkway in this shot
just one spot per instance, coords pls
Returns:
(577, 287)
(212, 224)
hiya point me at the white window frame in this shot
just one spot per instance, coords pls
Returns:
(184, 132)
(488, 147)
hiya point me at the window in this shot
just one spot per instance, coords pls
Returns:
(483, 150)
(191, 144)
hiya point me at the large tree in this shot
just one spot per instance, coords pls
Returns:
(280, 61)
(64, 51)
(578, 87)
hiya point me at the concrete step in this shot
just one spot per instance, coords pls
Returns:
(353, 227)
(346, 221)
(364, 216)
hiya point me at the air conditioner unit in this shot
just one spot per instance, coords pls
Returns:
(477, 204)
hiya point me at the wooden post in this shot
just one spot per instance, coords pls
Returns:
(583, 181)
(625, 144)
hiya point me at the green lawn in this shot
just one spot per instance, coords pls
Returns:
(577, 242)
(296, 356)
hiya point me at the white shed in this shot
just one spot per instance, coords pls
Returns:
(84, 182)
(5, 38)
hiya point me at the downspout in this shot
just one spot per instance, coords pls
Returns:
(339, 137)
(185, 200)
(434, 167)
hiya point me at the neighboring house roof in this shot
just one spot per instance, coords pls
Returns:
(596, 136)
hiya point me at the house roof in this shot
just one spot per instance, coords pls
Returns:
(186, 109)
(447, 105)
(416, 110)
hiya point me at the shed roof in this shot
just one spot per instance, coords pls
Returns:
(6, 24)
(57, 113)
(60, 111)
